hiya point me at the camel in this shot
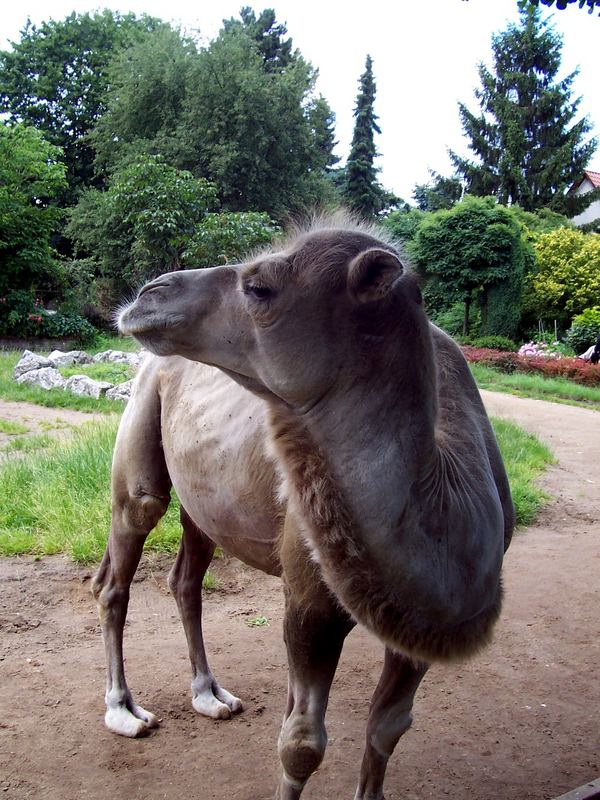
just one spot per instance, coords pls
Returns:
(316, 425)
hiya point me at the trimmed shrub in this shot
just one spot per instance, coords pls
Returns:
(574, 369)
(495, 343)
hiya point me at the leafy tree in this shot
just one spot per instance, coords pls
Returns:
(566, 277)
(475, 251)
(268, 34)
(152, 219)
(249, 130)
(322, 123)
(439, 193)
(529, 147)
(149, 82)
(55, 78)
(362, 192)
(32, 176)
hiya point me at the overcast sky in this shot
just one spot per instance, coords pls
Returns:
(425, 55)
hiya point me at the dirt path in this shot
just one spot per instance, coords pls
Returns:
(520, 722)
(39, 419)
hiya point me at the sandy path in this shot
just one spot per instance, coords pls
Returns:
(39, 419)
(520, 722)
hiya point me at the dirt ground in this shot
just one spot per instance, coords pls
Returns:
(39, 420)
(522, 721)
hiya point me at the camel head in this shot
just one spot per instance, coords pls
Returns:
(290, 324)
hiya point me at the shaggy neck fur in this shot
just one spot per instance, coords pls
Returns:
(368, 542)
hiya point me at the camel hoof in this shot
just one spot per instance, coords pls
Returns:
(216, 703)
(132, 724)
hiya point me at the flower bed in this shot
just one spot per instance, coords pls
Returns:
(574, 369)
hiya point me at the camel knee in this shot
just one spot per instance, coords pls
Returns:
(302, 744)
(139, 513)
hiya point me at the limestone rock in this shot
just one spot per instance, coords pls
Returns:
(45, 377)
(122, 391)
(118, 357)
(30, 361)
(60, 359)
(83, 385)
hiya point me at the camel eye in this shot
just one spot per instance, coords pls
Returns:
(258, 291)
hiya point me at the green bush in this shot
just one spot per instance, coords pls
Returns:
(584, 329)
(495, 343)
(23, 315)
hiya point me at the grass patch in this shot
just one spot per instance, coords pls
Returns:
(525, 459)
(556, 390)
(51, 398)
(58, 501)
(104, 371)
(26, 444)
(12, 428)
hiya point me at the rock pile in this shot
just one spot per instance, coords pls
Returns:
(43, 371)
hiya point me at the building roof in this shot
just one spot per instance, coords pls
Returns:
(593, 178)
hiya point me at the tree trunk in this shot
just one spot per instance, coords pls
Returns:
(466, 317)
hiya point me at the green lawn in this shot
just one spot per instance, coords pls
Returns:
(59, 500)
(556, 390)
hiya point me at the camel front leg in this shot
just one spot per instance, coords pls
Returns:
(389, 717)
(314, 628)
(185, 581)
(133, 518)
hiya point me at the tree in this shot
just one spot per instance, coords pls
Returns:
(362, 192)
(149, 82)
(55, 78)
(268, 34)
(153, 218)
(32, 176)
(475, 251)
(249, 130)
(529, 147)
(439, 193)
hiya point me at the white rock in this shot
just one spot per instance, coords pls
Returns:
(121, 357)
(46, 377)
(60, 359)
(30, 361)
(83, 385)
(122, 391)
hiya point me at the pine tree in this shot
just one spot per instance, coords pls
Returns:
(529, 146)
(362, 192)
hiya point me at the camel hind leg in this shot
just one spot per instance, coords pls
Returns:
(185, 581)
(140, 497)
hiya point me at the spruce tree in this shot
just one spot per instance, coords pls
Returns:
(529, 147)
(362, 192)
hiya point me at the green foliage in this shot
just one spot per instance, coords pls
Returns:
(475, 251)
(529, 146)
(584, 330)
(362, 192)
(56, 77)
(450, 319)
(439, 193)
(228, 237)
(153, 218)
(276, 51)
(31, 177)
(566, 277)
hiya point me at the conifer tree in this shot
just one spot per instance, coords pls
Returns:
(362, 192)
(529, 146)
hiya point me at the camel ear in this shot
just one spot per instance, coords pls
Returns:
(372, 274)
